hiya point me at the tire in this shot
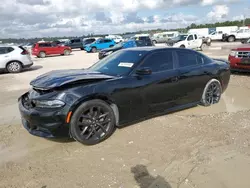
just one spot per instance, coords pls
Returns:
(154, 41)
(82, 48)
(203, 46)
(14, 67)
(42, 54)
(66, 52)
(111, 46)
(84, 124)
(212, 93)
(231, 39)
(94, 50)
(182, 46)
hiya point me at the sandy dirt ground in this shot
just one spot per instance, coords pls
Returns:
(204, 147)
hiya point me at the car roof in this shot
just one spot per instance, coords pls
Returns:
(155, 48)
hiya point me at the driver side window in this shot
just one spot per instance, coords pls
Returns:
(159, 61)
(190, 37)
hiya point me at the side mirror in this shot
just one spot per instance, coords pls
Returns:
(144, 71)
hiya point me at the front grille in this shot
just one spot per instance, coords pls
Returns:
(243, 54)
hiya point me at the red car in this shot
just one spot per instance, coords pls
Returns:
(239, 58)
(42, 49)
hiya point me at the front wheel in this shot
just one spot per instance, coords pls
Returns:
(203, 46)
(182, 46)
(212, 93)
(92, 122)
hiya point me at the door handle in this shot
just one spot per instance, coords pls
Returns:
(175, 79)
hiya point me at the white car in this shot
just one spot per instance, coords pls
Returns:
(192, 41)
(14, 58)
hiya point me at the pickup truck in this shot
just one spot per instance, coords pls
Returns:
(243, 33)
(239, 58)
(191, 41)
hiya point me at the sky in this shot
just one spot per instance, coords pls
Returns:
(43, 18)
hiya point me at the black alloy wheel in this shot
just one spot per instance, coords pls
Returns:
(212, 93)
(92, 122)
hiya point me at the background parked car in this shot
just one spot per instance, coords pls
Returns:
(42, 49)
(14, 58)
(75, 43)
(122, 45)
(88, 41)
(146, 39)
(99, 45)
(245, 41)
(239, 58)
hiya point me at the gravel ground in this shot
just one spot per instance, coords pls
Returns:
(199, 147)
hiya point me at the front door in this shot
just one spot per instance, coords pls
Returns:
(161, 91)
(190, 41)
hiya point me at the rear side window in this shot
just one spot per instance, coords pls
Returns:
(189, 58)
(190, 37)
(107, 40)
(5, 50)
(159, 61)
(2, 50)
(45, 45)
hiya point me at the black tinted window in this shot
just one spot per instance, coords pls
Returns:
(45, 45)
(9, 49)
(189, 58)
(3, 50)
(159, 61)
(77, 40)
(195, 36)
(107, 40)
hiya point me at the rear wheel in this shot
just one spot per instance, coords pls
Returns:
(14, 67)
(182, 46)
(94, 50)
(42, 54)
(66, 52)
(92, 122)
(212, 93)
(154, 41)
(231, 39)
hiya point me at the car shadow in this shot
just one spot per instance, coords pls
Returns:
(145, 180)
(32, 68)
(151, 116)
(52, 56)
(61, 140)
(240, 73)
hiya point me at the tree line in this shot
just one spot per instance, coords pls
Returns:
(191, 26)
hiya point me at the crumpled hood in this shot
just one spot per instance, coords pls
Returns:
(59, 78)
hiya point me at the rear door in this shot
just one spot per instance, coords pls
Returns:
(5, 57)
(194, 74)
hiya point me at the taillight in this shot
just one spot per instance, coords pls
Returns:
(25, 52)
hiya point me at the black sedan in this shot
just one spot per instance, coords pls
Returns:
(127, 86)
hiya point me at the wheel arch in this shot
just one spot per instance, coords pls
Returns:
(104, 98)
(14, 61)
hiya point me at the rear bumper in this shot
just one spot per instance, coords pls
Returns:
(47, 124)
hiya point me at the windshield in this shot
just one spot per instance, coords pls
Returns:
(119, 45)
(118, 63)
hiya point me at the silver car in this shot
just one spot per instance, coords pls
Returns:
(14, 58)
